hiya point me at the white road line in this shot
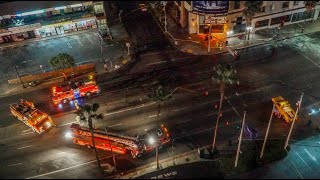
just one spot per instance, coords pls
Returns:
(154, 115)
(14, 164)
(181, 58)
(160, 62)
(66, 124)
(312, 157)
(65, 168)
(60, 153)
(26, 133)
(66, 40)
(26, 130)
(184, 121)
(310, 60)
(116, 125)
(296, 169)
(180, 109)
(129, 109)
(303, 161)
(79, 41)
(24, 147)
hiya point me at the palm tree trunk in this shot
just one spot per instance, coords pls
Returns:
(218, 116)
(93, 143)
(157, 147)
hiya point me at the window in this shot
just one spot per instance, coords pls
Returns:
(272, 7)
(295, 3)
(285, 5)
(278, 20)
(263, 9)
(262, 23)
(98, 9)
(236, 4)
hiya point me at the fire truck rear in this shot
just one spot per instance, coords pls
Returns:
(37, 120)
(72, 91)
(116, 142)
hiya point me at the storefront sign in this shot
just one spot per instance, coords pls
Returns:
(210, 7)
(169, 175)
(216, 20)
(25, 27)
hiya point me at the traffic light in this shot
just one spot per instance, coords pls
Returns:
(206, 93)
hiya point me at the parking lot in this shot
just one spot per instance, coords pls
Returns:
(32, 57)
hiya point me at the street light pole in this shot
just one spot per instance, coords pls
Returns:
(113, 157)
(240, 138)
(120, 12)
(165, 16)
(265, 138)
(294, 120)
(209, 39)
(19, 76)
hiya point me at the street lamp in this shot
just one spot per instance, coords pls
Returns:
(249, 29)
(16, 67)
(113, 157)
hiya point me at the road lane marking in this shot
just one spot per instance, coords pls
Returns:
(129, 109)
(14, 164)
(24, 147)
(312, 157)
(303, 160)
(115, 125)
(296, 169)
(79, 41)
(26, 133)
(160, 62)
(184, 121)
(68, 43)
(310, 60)
(26, 130)
(180, 109)
(154, 115)
(52, 172)
(181, 58)
(67, 124)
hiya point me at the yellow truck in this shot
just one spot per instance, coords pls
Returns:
(284, 109)
(37, 120)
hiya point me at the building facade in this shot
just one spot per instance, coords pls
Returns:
(272, 14)
(20, 20)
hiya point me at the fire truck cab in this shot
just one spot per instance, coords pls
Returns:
(73, 90)
(284, 109)
(115, 142)
(26, 112)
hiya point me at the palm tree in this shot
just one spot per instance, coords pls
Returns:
(224, 74)
(87, 113)
(159, 95)
(310, 5)
(251, 8)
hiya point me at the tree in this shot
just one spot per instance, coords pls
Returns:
(159, 95)
(251, 8)
(61, 61)
(310, 5)
(224, 74)
(87, 113)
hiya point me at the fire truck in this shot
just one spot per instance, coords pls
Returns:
(73, 90)
(284, 109)
(119, 143)
(26, 112)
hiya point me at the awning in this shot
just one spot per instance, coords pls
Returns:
(85, 19)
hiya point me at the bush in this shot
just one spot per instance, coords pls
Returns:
(62, 61)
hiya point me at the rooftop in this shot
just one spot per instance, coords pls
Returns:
(15, 7)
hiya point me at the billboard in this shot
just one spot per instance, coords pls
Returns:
(210, 7)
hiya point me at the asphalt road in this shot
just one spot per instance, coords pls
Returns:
(84, 47)
(190, 116)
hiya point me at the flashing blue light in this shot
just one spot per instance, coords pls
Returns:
(60, 106)
(312, 110)
(71, 102)
(19, 15)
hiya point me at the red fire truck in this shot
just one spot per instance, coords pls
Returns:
(73, 90)
(118, 143)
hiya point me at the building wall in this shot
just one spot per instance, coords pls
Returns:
(235, 21)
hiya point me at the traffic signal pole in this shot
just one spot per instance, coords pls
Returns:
(267, 133)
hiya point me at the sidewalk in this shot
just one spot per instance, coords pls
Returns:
(197, 45)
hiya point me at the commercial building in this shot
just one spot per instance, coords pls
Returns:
(226, 17)
(20, 20)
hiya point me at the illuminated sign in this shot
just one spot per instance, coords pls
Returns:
(32, 12)
(210, 7)
(62, 7)
(76, 5)
(216, 20)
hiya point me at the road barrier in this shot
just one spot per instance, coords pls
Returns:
(68, 72)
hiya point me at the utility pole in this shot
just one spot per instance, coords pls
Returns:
(120, 12)
(209, 38)
(113, 156)
(165, 16)
(267, 133)
(294, 120)
(240, 138)
(19, 76)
